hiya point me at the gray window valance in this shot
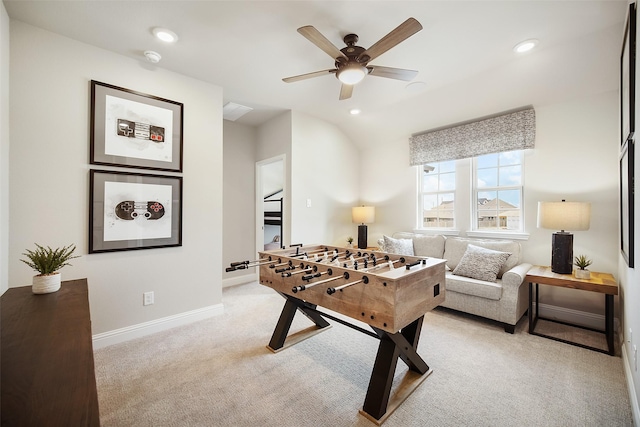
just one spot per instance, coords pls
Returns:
(506, 132)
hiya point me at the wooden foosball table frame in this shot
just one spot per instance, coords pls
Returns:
(388, 292)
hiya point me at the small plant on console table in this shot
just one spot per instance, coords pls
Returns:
(47, 262)
(582, 262)
(350, 241)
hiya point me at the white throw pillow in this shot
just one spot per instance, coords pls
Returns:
(480, 263)
(398, 246)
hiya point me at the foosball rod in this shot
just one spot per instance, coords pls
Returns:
(295, 289)
(243, 265)
(387, 264)
(307, 269)
(331, 291)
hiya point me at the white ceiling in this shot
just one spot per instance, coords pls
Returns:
(464, 53)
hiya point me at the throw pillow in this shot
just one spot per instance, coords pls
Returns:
(480, 263)
(398, 246)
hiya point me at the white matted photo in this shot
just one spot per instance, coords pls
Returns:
(134, 211)
(134, 129)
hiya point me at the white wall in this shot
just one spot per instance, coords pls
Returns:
(239, 199)
(575, 158)
(324, 167)
(49, 179)
(4, 148)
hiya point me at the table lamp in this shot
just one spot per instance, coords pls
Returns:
(363, 215)
(574, 216)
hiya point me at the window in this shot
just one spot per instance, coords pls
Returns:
(488, 188)
(498, 192)
(437, 195)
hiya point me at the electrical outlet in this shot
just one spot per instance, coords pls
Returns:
(147, 298)
(630, 340)
(635, 358)
(308, 203)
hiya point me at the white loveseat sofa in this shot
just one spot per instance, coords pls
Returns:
(484, 277)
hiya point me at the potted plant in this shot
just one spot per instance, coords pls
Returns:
(582, 262)
(47, 262)
(350, 242)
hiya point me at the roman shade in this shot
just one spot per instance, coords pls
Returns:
(515, 130)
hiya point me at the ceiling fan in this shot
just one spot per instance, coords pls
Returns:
(352, 62)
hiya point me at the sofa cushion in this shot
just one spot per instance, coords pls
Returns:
(455, 247)
(478, 288)
(429, 246)
(398, 246)
(481, 263)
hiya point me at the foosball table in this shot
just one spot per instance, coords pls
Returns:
(390, 293)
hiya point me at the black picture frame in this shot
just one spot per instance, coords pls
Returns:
(627, 77)
(627, 200)
(129, 211)
(134, 129)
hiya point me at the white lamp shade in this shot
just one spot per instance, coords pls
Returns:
(363, 214)
(573, 216)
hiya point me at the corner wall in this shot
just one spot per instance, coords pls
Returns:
(49, 179)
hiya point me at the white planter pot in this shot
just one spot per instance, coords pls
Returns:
(46, 284)
(583, 274)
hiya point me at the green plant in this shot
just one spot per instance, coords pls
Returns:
(349, 239)
(582, 262)
(48, 261)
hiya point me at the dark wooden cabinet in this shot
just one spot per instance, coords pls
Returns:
(47, 369)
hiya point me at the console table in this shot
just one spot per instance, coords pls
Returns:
(48, 375)
(602, 283)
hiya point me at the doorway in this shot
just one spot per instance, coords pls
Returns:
(270, 203)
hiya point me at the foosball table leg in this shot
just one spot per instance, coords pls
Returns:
(291, 306)
(404, 345)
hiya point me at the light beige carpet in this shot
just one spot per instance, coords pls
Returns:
(218, 372)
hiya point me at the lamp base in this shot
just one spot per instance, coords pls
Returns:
(562, 253)
(362, 236)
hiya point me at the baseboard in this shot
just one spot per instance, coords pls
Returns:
(576, 317)
(633, 397)
(238, 280)
(142, 329)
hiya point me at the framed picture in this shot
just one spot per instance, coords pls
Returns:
(134, 129)
(134, 211)
(627, 197)
(627, 77)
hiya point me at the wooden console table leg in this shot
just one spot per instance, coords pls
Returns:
(608, 319)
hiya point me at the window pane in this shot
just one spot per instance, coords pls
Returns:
(487, 161)
(447, 182)
(449, 166)
(510, 158)
(487, 178)
(438, 210)
(510, 175)
(429, 182)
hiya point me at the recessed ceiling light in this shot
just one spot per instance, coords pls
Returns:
(525, 46)
(165, 35)
(153, 57)
(354, 111)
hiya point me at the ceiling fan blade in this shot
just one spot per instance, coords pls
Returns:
(346, 91)
(392, 73)
(308, 75)
(315, 37)
(401, 33)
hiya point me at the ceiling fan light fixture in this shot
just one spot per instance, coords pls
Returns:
(352, 73)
